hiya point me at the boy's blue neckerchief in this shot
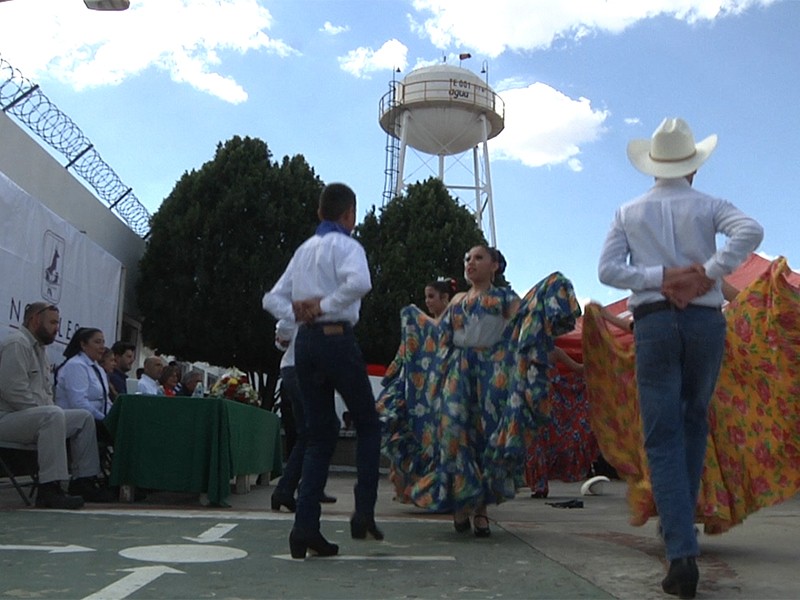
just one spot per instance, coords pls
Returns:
(325, 227)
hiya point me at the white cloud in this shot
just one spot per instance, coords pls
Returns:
(332, 29)
(545, 127)
(535, 24)
(363, 61)
(185, 38)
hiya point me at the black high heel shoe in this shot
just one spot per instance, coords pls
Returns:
(277, 500)
(682, 577)
(317, 544)
(360, 526)
(482, 531)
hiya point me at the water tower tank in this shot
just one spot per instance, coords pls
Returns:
(442, 106)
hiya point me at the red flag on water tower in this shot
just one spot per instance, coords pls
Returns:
(464, 56)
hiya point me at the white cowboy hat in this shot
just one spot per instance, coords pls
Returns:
(594, 485)
(671, 152)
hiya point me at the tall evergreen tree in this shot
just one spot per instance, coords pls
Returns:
(414, 239)
(219, 241)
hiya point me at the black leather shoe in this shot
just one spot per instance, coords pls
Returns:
(299, 545)
(91, 490)
(327, 499)
(484, 531)
(51, 495)
(682, 577)
(277, 500)
(360, 526)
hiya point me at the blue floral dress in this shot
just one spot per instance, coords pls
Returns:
(461, 399)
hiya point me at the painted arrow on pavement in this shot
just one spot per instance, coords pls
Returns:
(50, 549)
(214, 534)
(138, 578)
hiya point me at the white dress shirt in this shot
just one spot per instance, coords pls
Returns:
(332, 267)
(285, 334)
(148, 386)
(82, 383)
(674, 225)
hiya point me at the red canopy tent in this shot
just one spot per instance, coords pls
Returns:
(750, 269)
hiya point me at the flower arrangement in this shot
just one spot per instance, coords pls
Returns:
(234, 385)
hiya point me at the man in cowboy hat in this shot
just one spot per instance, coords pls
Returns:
(662, 246)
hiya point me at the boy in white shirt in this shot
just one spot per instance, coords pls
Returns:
(321, 289)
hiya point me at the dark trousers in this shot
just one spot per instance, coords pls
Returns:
(290, 392)
(327, 358)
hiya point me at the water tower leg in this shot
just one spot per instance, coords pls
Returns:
(441, 167)
(476, 174)
(489, 202)
(401, 161)
(488, 179)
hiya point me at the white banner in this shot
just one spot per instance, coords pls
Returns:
(45, 259)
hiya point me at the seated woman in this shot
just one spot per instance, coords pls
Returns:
(80, 380)
(82, 383)
(169, 379)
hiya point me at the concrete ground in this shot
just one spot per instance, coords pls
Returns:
(170, 546)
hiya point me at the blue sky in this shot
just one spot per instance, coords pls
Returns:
(157, 87)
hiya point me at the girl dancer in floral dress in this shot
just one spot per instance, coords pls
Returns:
(463, 393)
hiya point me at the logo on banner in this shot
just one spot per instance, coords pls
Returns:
(52, 267)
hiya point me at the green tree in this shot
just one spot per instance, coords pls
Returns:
(414, 239)
(220, 240)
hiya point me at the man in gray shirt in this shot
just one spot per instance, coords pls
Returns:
(28, 414)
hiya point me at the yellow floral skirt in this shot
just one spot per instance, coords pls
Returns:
(753, 456)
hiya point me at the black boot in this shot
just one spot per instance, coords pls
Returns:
(360, 526)
(299, 545)
(279, 499)
(682, 577)
(90, 489)
(51, 495)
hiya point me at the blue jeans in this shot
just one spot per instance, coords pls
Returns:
(678, 357)
(327, 358)
(290, 390)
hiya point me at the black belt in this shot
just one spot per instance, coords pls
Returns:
(646, 309)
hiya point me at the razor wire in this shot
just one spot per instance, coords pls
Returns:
(23, 99)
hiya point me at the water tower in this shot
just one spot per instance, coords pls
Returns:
(443, 111)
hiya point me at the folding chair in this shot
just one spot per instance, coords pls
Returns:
(18, 460)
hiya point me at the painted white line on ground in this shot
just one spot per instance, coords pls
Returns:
(214, 534)
(242, 515)
(50, 549)
(138, 578)
(182, 553)
(383, 557)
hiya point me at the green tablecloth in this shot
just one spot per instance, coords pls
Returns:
(187, 444)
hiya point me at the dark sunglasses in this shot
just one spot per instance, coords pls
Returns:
(41, 310)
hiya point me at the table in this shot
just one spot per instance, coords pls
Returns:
(186, 444)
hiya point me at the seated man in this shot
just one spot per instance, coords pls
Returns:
(148, 383)
(126, 354)
(28, 415)
(189, 383)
